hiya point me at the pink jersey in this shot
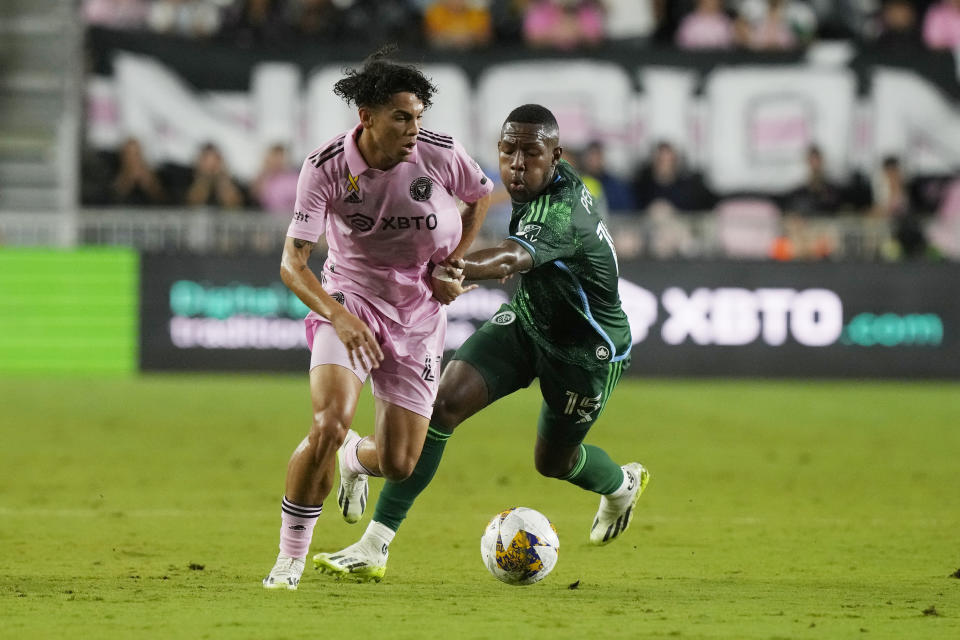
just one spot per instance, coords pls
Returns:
(383, 228)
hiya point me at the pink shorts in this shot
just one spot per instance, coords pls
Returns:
(409, 374)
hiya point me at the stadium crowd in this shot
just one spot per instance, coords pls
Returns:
(559, 24)
(662, 187)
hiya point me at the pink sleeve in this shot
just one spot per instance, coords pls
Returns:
(467, 180)
(310, 211)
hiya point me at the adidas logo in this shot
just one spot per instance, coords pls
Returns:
(297, 527)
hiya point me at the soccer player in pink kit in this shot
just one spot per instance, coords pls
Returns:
(386, 195)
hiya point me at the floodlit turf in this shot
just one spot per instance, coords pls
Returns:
(150, 508)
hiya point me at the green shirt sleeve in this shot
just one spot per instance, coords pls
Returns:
(545, 231)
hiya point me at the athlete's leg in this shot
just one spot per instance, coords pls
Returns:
(476, 377)
(462, 393)
(407, 449)
(574, 398)
(334, 391)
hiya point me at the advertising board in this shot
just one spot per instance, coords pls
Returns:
(687, 318)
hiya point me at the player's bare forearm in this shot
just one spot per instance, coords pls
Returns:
(472, 217)
(299, 278)
(498, 262)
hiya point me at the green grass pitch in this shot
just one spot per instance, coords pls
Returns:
(149, 508)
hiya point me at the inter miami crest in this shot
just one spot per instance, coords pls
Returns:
(421, 189)
(338, 296)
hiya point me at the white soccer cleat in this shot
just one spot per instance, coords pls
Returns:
(614, 515)
(357, 562)
(285, 574)
(352, 495)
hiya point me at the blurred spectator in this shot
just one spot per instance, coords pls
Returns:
(116, 14)
(707, 27)
(844, 19)
(664, 189)
(891, 201)
(617, 192)
(507, 17)
(275, 187)
(379, 21)
(249, 23)
(563, 24)
(817, 196)
(192, 18)
(457, 24)
(891, 198)
(898, 28)
(314, 19)
(212, 184)
(766, 25)
(941, 27)
(136, 183)
(666, 180)
(593, 185)
(630, 22)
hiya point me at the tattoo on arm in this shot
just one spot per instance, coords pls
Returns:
(300, 244)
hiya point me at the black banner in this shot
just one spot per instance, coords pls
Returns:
(687, 318)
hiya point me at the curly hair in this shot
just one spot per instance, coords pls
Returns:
(380, 78)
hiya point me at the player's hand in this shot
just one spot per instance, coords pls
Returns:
(447, 281)
(356, 336)
(455, 263)
(448, 291)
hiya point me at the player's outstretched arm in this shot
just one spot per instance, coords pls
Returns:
(352, 331)
(446, 289)
(496, 263)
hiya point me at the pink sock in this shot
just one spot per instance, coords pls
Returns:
(351, 461)
(296, 529)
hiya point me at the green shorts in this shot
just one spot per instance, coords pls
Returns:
(509, 359)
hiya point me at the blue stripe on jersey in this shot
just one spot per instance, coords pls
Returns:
(586, 309)
(523, 243)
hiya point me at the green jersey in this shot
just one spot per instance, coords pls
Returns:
(569, 301)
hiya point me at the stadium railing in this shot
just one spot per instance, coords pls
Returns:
(208, 231)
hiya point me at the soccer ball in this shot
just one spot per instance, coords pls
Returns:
(519, 546)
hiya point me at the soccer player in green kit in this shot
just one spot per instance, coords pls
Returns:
(564, 326)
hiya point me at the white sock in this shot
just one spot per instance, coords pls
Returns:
(378, 536)
(352, 462)
(623, 490)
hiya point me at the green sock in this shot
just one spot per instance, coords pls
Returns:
(595, 471)
(396, 498)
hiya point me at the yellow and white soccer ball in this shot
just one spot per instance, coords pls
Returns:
(520, 546)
